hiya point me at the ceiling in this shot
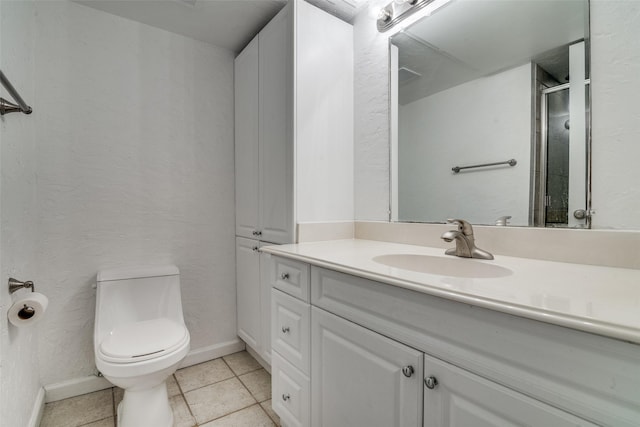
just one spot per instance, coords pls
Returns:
(343, 9)
(230, 24)
(469, 39)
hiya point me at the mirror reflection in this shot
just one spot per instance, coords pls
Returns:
(490, 113)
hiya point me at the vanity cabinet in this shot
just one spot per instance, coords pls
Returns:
(361, 378)
(291, 342)
(458, 398)
(383, 355)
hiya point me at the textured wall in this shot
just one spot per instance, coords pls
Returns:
(615, 59)
(134, 133)
(19, 377)
(432, 141)
(615, 85)
(371, 120)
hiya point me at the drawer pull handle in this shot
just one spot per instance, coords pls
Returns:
(408, 371)
(284, 276)
(285, 397)
(256, 233)
(256, 249)
(285, 329)
(431, 382)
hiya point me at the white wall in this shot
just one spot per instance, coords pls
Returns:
(19, 377)
(324, 116)
(371, 121)
(615, 63)
(615, 85)
(450, 129)
(134, 133)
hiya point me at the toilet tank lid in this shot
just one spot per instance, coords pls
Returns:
(137, 272)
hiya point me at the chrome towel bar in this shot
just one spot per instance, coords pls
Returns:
(510, 162)
(8, 106)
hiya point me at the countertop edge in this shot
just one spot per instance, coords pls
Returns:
(597, 327)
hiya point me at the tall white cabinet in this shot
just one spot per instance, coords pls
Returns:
(263, 141)
(293, 146)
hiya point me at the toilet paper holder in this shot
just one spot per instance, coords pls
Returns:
(15, 284)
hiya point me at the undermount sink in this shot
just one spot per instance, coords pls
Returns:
(452, 267)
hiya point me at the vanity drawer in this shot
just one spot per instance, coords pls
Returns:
(290, 329)
(291, 277)
(290, 390)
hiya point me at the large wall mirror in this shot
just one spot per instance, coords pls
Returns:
(490, 114)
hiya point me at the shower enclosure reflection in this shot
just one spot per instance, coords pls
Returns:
(468, 89)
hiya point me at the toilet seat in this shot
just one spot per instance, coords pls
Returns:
(143, 340)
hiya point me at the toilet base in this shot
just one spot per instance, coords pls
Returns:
(145, 408)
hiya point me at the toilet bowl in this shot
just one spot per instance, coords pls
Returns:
(140, 339)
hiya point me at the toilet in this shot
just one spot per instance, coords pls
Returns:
(140, 339)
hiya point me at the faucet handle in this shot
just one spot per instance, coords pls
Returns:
(503, 220)
(463, 226)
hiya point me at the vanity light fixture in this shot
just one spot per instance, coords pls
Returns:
(398, 10)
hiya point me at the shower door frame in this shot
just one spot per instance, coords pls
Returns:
(542, 155)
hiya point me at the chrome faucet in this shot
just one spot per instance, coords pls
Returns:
(465, 242)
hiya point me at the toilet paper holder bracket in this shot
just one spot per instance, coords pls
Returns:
(15, 284)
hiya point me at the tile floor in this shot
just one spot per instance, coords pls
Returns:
(233, 391)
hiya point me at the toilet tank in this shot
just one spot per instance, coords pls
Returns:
(127, 295)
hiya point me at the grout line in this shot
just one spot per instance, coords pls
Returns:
(244, 373)
(268, 416)
(233, 412)
(95, 421)
(251, 393)
(243, 385)
(114, 409)
(184, 398)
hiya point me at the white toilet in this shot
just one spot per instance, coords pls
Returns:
(140, 339)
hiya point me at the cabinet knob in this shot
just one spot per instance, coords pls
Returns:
(431, 382)
(284, 276)
(285, 329)
(285, 397)
(408, 371)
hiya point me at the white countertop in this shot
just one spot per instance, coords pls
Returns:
(600, 300)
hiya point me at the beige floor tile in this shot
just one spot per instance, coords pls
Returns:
(266, 405)
(172, 387)
(203, 374)
(118, 394)
(181, 415)
(242, 362)
(107, 422)
(219, 399)
(258, 383)
(80, 410)
(252, 416)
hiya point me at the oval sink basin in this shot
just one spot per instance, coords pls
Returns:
(452, 267)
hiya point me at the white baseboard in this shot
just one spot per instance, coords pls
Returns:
(75, 387)
(266, 365)
(211, 352)
(79, 386)
(38, 409)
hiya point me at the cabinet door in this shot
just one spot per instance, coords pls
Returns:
(265, 304)
(357, 376)
(246, 140)
(462, 399)
(276, 128)
(248, 292)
